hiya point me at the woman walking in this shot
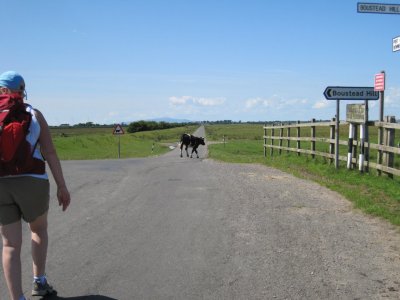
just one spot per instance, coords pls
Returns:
(24, 190)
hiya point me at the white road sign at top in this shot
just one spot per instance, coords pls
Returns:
(378, 8)
(396, 44)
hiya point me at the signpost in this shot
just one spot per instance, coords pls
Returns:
(357, 114)
(381, 8)
(380, 86)
(347, 93)
(118, 130)
(378, 8)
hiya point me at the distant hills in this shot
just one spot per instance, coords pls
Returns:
(171, 120)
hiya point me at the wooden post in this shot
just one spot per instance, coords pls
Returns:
(379, 159)
(272, 140)
(288, 140)
(280, 139)
(388, 158)
(391, 136)
(380, 129)
(313, 138)
(385, 142)
(298, 139)
(332, 137)
(265, 140)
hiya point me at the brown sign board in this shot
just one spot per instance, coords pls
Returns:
(355, 113)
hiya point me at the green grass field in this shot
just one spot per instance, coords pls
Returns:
(100, 143)
(375, 195)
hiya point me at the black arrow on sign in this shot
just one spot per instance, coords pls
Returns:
(327, 93)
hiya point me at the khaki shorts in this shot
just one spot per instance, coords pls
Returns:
(24, 197)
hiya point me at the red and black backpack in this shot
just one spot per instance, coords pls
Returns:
(16, 153)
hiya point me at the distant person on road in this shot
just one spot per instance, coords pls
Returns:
(24, 189)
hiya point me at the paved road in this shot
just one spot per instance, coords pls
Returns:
(180, 228)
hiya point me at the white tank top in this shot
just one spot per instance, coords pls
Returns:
(32, 138)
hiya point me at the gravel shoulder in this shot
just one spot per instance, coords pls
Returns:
(307, 240)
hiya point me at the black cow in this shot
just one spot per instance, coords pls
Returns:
(192, 141)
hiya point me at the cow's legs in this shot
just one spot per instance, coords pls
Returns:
(194, 150)
(187, 152)
(181, 148)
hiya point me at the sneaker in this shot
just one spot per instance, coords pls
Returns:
(39, 289)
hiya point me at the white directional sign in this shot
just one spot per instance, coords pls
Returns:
(350, 93)
(396, 44)
(378, 8)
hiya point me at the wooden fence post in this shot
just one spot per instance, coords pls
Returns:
(298, 139)
(313, 139)
(288, 140)
(332, 138)
(389, 134)
(380, 152)
(272, 140)
(280, 138)
(265, 140)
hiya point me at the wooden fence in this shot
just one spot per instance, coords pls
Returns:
(300, 136)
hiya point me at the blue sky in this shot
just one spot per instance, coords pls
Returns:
(113, 61)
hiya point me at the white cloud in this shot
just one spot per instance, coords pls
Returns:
(209, 101)
(259, 102)
(201, 101)
(179, 100)
(253, 102)
(274, 101)
(291, 102)
(321, 104)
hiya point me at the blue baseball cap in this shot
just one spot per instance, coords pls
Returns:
(13, 81)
